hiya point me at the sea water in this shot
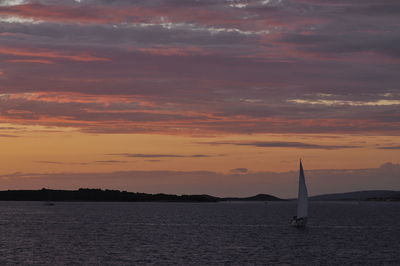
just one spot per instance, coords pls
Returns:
(229, 233)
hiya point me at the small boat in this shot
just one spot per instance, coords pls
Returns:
(49, 201)
(300, 220)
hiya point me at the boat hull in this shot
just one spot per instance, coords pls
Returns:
(299, 222)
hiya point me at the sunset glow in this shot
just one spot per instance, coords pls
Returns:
(217, 97)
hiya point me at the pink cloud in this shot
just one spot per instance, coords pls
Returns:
(38, 61)
(82, 57)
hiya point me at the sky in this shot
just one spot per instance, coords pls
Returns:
(218, 97)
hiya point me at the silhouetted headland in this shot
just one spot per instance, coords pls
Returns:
(368, 195)
(85, 194)
(259, 197)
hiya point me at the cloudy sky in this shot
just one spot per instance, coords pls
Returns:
(155, 92)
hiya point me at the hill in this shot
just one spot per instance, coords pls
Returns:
(377, 195)
(85, 194)
(259, 197)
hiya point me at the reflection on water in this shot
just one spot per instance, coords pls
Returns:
(198, 234)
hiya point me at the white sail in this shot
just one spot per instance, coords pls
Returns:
(302, 200)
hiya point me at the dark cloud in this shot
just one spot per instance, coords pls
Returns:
(373, 8)
(141, 155)
(83, 163)
(323, 43)
(389, 148)
(350, 28)
(11, 128)
(8, 136)
(49, 162)
(281, 144)
(110, 162)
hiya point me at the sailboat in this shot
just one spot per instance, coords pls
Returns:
(300, 220)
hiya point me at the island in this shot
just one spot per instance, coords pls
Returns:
(87, 194)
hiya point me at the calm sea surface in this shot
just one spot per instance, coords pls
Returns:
(198, 234)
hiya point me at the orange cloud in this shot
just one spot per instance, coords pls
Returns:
(106, 113)
(71, 97)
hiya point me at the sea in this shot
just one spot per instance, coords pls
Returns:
(228, 233)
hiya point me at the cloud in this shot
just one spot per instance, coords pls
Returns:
(141, 155)
(351, 103)
(37, 61)
(50, 54)
(323, 43)
(389, 148)
(49, 162)
(12, 2)
(239, 171)
(83, 163)
(283, 184)
(8, 136)
(202, 67)
(110, 161)
(281, 144)
(104, 114)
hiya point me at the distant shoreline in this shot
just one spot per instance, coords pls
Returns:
(100, 195)
(366, 195)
